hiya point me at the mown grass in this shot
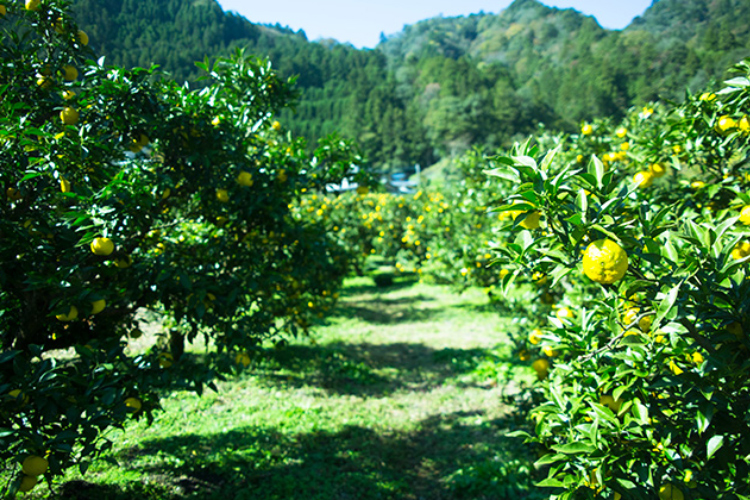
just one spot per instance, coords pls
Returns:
(396, 398)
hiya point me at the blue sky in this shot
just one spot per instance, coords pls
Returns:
(360, 22)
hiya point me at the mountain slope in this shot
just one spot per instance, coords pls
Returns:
(445, 84)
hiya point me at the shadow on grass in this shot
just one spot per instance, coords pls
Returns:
(399, 283)
(484, 307)
(352, 463)
(386, 311)
(369, 369)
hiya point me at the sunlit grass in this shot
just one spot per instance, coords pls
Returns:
(396, 397)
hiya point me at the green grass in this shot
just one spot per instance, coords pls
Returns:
(396, 398)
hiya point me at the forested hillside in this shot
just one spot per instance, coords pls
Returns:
(444, 84)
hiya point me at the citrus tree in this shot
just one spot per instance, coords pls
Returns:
(122, 192)
(643, 359)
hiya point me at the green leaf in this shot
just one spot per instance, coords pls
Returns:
(714, 444)
(550, 482)
(559, 272)
(549, 158)
(525, 161)
(667, 303)
(550, 458)
(522, 434)
(739, 82)
(582, 202)
(575, 219)
(507, 173)
(574, 448)
(606, 232)
(706, 412)
(619, 391)
(605, 413)
(596, 168)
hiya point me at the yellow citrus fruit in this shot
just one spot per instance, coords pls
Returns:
(69, 116)
(65, 186)
(33, 4)
(165, 359)
(621, 132)
(605, 262)
(70, 73)
(610, 402)
(13, 194)
(697, 358)
(657, 170)
(137, 144)
(674, 368)
(541, 367)
(726, 123)
(222, 195)
(688, 479)
(539, 278)
(72, 314)
(102, 246)
(531, 219)
(242, 358)
(645, 323)
(44, 81)
(697, 184)
(245, 179)
(745, 215)
(587, 129)
(3, 11)
(535, 336)
(34, 466)
(27, 483)
(134, 405)
(643, 179)
(68, 94)
(670, 492)
(630, 315)
(741, 250)
(124, 262)
(745, 125)
(98, 306)
(276, 125)
(549, 351)
(19, 396)
(564, 313)
(83, 38)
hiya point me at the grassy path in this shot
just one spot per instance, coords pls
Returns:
(394, 399)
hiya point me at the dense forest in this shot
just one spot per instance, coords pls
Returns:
(444, 84)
